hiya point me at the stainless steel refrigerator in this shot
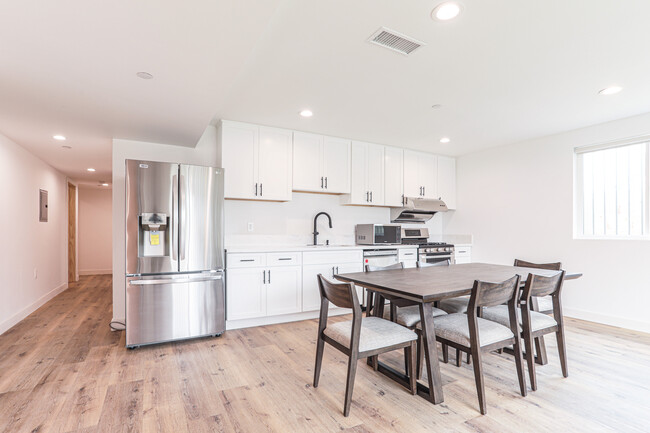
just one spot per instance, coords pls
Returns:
(174, 252)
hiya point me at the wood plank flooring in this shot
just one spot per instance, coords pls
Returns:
(63, 370)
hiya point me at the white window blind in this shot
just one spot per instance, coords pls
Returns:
(612, 190)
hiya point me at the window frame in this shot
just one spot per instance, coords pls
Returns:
(578, 183)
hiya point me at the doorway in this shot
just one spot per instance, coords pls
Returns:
(72, 233)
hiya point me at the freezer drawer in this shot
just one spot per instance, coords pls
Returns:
(169, 308)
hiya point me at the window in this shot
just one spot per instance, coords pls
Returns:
(612, 190)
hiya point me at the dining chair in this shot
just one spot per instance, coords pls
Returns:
(475, 335)
(453, 305)
(534, 324)
(360, 337)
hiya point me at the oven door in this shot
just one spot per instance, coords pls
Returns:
(436, 258)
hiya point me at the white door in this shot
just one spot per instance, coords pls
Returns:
(275, 161)
(412, 185)
(336, 165)
(359, 193)
(447, 181)
(307, 162)
(283, 290)
(393, 176)
(245, 293)
(375, 169)
(428, 174)
(310, 291)
(239, 146)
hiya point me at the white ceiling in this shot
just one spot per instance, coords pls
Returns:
(504, 71)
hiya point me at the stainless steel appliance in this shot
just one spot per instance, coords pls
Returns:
(428, 252)
(174, 252)
(416, 210)
(380, 257)
(378, 234)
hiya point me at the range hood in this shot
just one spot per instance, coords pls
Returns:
(416, 210)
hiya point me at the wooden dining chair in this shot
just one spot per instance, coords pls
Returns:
(534, 324)
(475, 335)
(360, 337)
(371, 297)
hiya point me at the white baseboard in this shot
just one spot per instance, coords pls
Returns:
(96, 272)
(285, 318)
(13, 320)
(621, 322)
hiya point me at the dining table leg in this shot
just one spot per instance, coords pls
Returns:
(431, 353)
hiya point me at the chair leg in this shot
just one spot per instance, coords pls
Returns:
(540, 350)
(469, 358)
(409, 352)
(320, 347)
(369, 303)
(393, 312)
(420, 356)
(374, 361)
(519, 361)
(349, 387)
(445, 353)
(459, 358)
(530, 360)
(478, 377)
(561, 348)
(407, 367)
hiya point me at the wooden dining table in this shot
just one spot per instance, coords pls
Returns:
(426, 286)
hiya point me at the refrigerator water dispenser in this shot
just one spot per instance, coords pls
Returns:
(154, 236)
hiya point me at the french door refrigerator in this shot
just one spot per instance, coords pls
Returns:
(174, 252)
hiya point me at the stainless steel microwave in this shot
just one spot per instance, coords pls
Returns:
(378, 234)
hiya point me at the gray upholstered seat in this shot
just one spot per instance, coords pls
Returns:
(455, 327)
(454, 305)
(410, 316)
(499, 314)
(545, 303)
(376, 333)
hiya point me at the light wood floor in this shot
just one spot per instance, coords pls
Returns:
(62, 370)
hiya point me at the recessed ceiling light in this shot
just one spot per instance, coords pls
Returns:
(436, 106)
(65, 146)
(445, 140)
(58, 137)
(144, 75)
(104, 184)
(90, 169)
(610, 90)
(446, 11)
(306, 113)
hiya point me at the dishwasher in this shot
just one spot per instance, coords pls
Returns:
(378, 257)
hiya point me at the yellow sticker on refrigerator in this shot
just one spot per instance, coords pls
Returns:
(154, 238)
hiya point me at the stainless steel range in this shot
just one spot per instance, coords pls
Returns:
(428, 252)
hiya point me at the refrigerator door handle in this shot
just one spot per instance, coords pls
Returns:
(174, 280)
(174, 218)
(183, 221)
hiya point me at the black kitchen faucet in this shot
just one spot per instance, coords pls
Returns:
(316, 221)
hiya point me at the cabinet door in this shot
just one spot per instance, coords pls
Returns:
(274, 161)
(347, 268)
(447, 181)
(239, 146)
(393, 176)
(245, 293)
(310, 291)
(428, 174)
(375, 169)
(307, 162)
(412, 185)
(359, 192)
(336, 165)
(283, 290)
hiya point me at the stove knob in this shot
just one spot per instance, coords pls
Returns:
(440, 249)
(448, 249)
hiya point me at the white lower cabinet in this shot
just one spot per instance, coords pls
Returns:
(283, 290)
(246, 293)
(327, 263)
(408, 256)
(462, 255)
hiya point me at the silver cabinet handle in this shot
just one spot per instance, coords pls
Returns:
(333, 272)
(261, 193)
(370, 196)
(264, 276)
(337, 269)
(321, 181)
(325, 182)
(285, 258)
(424, 190)
(246, 260)
(403, 202)
(367, 196)
(255, 190)
(173, 281)
(269, 276)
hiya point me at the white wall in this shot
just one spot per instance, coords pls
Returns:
(27, 244)
(95, 230)
(517, 202)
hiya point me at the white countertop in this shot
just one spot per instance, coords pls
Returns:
(306, 248)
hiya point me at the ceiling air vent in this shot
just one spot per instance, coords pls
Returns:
(395, 41)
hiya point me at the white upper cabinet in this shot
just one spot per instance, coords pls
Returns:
(321, 164)
(447, 181)
(420, 174)
(367, 175)
(257, 161)
(393, 176)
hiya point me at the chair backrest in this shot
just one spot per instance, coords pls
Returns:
(370, 268)
(538, 285)
(428, 265)
(486, 294)
(550, 266)
(343, 295)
